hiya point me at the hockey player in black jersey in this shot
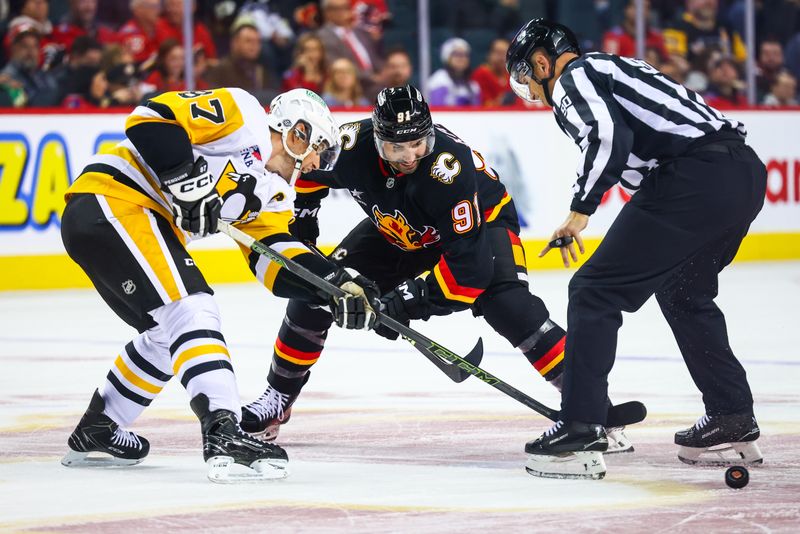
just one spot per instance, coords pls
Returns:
(432, 204)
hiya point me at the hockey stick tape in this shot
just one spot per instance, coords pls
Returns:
(560, 242)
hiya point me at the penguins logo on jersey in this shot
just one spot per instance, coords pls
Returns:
(396, 228)
(238, 193)
(445, 168)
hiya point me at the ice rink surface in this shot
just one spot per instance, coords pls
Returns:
(381, 441)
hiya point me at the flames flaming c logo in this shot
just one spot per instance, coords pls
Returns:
(397, 230)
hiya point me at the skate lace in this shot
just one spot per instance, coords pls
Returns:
(553, 429)
(270, 404)
(126, 438)
(703, 421)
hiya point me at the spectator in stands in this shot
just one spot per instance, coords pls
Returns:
(124, 88)
(492, 76)
(170, 26)
(451, 85)
(119, 68)
(308, 67)
(725, 88)
(138, 35)
(34, 13)
(276, 34)
(697, 34)
(21, 80)
(342, 88)
(371, 16)
(89, 89)
(783, 91)
(241, 68)
(674, 71)
(82, 20)
(86, 52)
(168, 73)
(342, 40)
(792, 55)
(397, 69)
(770, 65)
(114, 13)
(621, 40)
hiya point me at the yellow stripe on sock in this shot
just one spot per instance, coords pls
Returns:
(135, 379)
(194, 352)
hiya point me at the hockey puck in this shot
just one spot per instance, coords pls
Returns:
(560, 242)
(737, 477)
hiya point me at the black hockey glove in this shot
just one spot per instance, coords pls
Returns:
(410, 300)
(356, 310)
(305, 225)
(196, 206)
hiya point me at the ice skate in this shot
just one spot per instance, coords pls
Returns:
(264, 416)
(225, 444)
(617, 440)
(98, 433)
(720, 440)
(568, 450)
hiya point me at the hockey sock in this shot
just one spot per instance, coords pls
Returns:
(301, 339)
(523, 319)
(198, 351)
(139, 373)
(545, 350)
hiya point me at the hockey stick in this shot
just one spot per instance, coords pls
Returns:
(440, 356)
(454, 366)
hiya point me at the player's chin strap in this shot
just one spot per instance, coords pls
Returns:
(298, 158)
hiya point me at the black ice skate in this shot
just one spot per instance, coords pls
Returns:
(225, 444)
(568, 450)
(264, 416)
(720, 440)
(97, 433)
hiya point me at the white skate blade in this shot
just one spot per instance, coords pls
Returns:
(223, 470)
(577, 465)
(82, 459)
(741, 453)
(618, 441)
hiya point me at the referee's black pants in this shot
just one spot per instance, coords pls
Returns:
(672, 239)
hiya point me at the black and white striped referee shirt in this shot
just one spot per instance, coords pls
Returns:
(626, 117)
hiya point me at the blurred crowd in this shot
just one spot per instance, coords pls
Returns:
(84, 54)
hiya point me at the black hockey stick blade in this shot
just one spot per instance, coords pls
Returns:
(446, 360)
(627, 413)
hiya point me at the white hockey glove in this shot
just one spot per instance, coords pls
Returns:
(196, 206)
(355, 310)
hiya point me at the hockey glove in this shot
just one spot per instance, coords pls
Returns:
(305, 225)
(354, 311)
(196, 206)
(410, 300)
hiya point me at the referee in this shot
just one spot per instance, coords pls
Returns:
(697, 188)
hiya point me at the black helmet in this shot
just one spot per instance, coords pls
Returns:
(401, 115)
(554, 38)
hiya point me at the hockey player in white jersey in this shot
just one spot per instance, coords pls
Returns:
(191, 159)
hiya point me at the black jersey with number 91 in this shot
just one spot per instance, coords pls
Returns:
(444, 203)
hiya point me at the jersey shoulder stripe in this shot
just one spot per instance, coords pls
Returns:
(206, 116)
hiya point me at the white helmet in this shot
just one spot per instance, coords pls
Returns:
(303, 106)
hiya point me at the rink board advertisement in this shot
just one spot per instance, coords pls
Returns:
(40, 155)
